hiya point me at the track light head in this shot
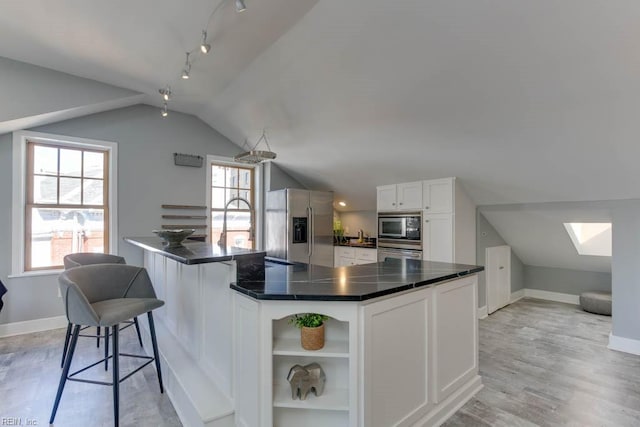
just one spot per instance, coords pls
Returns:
(240, 6)
(204, 46)
(166, 93)
(187, 68)
(165, 110)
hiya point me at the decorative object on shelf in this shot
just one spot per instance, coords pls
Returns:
(303, 379)
(311, 329)
(187, 160)
(174, 238)
(254, 156)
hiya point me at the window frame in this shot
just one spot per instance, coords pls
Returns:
(20, 185)
(258, 195)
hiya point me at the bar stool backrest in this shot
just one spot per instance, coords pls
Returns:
(88, 284)
(87, 258)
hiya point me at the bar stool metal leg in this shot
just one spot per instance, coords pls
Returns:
(65, 371)
(98, 336)
(154, 342)
(116, 375)
(66, 344)
(135, 321)
(106, 348)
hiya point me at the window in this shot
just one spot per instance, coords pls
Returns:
(229, 184)
(63, 202)
(590, 238)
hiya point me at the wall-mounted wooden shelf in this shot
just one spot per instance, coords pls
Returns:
(188, 217)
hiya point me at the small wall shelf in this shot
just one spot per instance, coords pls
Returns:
(331, 399)
(292, 347)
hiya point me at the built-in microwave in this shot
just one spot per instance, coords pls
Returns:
(400, 226)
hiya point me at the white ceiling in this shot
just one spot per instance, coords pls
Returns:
(524, 101)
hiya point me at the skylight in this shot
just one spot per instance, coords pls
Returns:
(590, 238)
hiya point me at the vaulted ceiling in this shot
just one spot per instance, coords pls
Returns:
(524, 101)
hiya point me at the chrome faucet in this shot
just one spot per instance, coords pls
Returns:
(222, 242)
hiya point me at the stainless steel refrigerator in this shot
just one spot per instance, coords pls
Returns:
(299, 226)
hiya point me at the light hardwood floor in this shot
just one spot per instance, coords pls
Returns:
(547, 364)
(542, 364)
(30, 371)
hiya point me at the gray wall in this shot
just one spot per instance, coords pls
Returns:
(625, 272)
(487, 237)
(565, 281)
(277, 179)
(147, 178)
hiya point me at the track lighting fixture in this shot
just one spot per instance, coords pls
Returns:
(166, 93)
(165, 110)
(204, 46)
(187, 68)
(240, 6)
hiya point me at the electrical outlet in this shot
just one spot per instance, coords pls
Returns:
(59, 294)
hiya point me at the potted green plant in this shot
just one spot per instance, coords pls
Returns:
(311, 329)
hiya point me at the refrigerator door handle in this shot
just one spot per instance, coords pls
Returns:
(312, 231)
(309, 231)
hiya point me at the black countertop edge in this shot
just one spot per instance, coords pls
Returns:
(193, 252)
(361, 297)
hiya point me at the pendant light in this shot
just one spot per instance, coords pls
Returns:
(204, 46)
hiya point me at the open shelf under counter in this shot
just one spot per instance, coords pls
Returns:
(333, 399)
(284, 346)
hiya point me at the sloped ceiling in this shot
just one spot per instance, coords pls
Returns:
(537, 235)
(524, 101)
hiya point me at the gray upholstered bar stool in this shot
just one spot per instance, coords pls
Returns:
(106, 295)
(90, 258)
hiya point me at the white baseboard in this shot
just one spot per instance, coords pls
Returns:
(552, 296)
(482, 312)
(626, 345)
(515, 296)
(29, 326)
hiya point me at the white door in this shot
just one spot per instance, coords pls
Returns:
(410, 195)
(437, 238)
(498, 274)
(437, 195)
(387, 198)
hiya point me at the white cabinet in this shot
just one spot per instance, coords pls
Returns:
(346, 255)
(437, 236)
(437, 195)
(400, 197)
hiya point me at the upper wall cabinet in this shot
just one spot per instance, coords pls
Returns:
(400, 197)
(437, 196)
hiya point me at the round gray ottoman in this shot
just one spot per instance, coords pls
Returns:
(596, 302)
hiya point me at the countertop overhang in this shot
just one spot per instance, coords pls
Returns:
(193, 252)
(353, 283)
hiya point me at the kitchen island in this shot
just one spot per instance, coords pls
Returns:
(401, 342)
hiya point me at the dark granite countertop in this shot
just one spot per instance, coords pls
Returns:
(357, 245)
(353, 283)
(193, 252)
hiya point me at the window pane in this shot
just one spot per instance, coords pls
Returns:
(245, 194)
(245, 178)
(93, 164)
(58, 232)
(92, 192)
(233, 177)
(45, 160)
(217, 176)
(230, 194)
(70, 191)
(70, 162)
(45, 189)
(217, 198)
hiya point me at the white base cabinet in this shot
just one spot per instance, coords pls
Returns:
(408, 359)
(346, 255)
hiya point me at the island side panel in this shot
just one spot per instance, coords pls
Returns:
(456, 335)
(396, 353)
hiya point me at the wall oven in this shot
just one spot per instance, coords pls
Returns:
(400, 230)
